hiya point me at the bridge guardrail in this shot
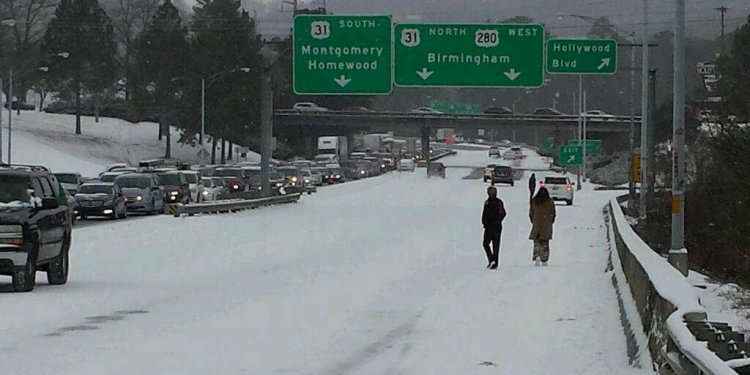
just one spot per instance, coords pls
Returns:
(286, 112)
(668, 308)
(234, 205)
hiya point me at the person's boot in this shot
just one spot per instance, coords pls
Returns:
(493, 265)
(545, 264)
(537, 261)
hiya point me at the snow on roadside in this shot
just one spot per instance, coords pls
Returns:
(723, 302)
(111, 140)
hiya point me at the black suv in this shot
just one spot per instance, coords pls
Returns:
(35, 226)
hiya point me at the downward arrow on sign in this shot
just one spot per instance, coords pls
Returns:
(513, 74)
(342, 81)
(605, 62)
(424, 73)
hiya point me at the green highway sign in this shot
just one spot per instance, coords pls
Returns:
(571, 155)
(593, 146)
(581, 56)
(469, 55)
(342, 55)
(448, 107)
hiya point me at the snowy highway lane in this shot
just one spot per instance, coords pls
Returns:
(382, 276)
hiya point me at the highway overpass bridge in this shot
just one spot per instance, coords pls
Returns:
(531, 129)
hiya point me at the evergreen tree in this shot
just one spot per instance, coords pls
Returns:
(161, 51)
(735, 78)
(83, 29)
(225, 41)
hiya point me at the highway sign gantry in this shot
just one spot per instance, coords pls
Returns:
(342, 55)
(571, 155)
(469, 55)
(581, 56)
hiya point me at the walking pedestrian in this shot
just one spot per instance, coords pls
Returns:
(532, 185)
(492, 220)
(542, 216)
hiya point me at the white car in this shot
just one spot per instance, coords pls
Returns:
(597, 114)
(494, 151)
(406, 165)
(425, 110)
(196, 189)
(560, 188)
(323, 159)
(309, 178)
(212, 188)
(309, 107)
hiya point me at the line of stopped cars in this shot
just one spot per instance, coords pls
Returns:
(559, 185)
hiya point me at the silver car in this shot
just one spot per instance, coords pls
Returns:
(142, 192)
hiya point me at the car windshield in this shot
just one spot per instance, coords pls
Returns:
(555, 180)
(251, 172)
(133, 182)
(108, 177)
(169, 179)
(219, 182)
(323, 157)
(67, 178)
(227, 173)
(14, 189)
(96, 189)
(192, 178)
(290, 172)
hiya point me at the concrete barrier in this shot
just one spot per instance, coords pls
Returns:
(666, 305)
(231, 205)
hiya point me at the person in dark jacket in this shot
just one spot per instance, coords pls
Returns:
(542, 215)
(532, 185)
(492, 220)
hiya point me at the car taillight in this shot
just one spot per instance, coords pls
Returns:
(568, 187)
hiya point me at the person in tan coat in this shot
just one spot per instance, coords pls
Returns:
(542, 215)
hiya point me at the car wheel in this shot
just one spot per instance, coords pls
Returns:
(512, 184)
(57, 272)
(24, 278)
(569, 202)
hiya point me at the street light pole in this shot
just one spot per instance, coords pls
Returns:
(645, 152)
(631, 182)
(10, 109)
(203, 119)
(678, 255)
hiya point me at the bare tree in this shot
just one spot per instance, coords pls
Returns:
(31, 18)
(129, 18)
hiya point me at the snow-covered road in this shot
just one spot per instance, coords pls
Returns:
(382, 276)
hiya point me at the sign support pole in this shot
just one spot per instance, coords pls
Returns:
(580, 123)
(678, 255)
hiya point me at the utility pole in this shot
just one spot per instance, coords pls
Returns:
(651, 151)
(645, 152)
(723, 10)
(678, 255)
(266, 130)
(585, 108)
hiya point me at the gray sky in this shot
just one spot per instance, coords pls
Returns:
(702, 18)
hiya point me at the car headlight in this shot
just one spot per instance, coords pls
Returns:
(294, 179)
(307, 181)
(139, 198)
(338, 176)
(235, 187)
(205, 192)
(362, 172)
(174, 193)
